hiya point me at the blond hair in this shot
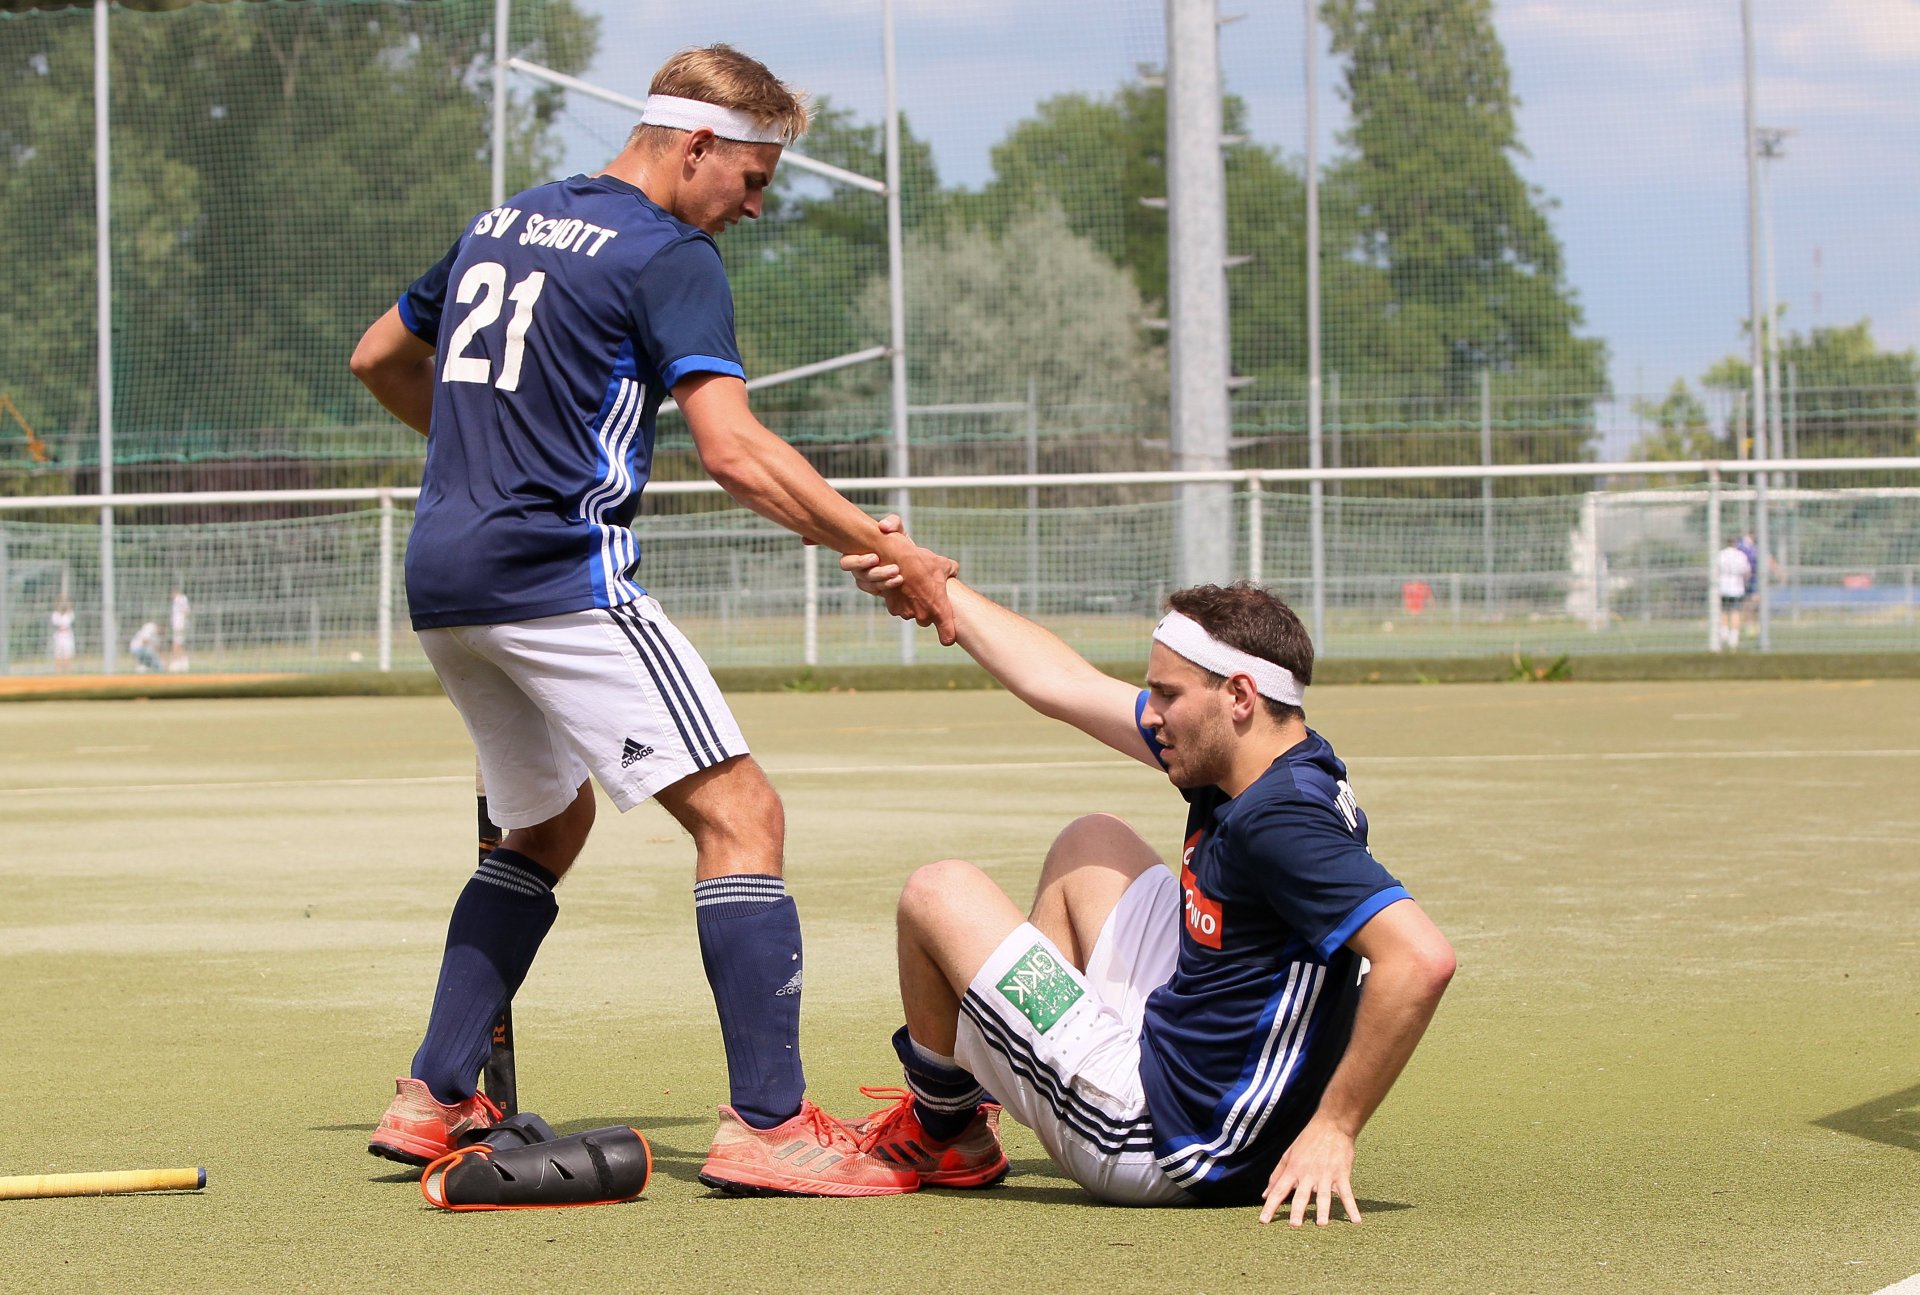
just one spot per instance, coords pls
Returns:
(721, 74)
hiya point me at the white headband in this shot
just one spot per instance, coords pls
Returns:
(1190, 639)
(694, 114)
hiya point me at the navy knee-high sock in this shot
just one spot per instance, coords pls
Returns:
(944, 1096)
(498, 922)
(750, 946)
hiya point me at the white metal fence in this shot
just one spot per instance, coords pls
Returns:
(1400, 562)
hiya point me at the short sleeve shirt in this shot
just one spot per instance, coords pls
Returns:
(1238, 1045)
(560, 321)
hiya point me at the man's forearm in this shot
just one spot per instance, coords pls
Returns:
(1038, 667)
(1396, 1004)
(397, 368)
(1029, 660)
(776, 481)
(407, 396)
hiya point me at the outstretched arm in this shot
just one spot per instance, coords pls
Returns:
(769, 476)
(1031, 662)
(1036, 666)
(1412, 963)
(397, 368)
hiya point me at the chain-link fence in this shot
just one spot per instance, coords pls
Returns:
(1532, 233)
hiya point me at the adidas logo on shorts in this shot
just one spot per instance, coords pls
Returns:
(791, 987)
(632, 752)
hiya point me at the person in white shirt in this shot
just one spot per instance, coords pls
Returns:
(1732, 568)
(179, 615)
(61, 619)
(145, 647)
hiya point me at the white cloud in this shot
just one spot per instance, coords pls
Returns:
(1631, 110)
(1617, 34)
(1829, 32)
(1901, 330)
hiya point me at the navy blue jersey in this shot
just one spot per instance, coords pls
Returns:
(560, 320)
(1238, 1045)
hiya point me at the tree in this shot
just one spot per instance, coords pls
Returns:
(1680, 430)
(280, 172)
(990, 312)
(1093, 160)
(1472, 276)
(1850, 399)
(797, 272)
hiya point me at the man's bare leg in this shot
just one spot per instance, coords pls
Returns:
(749, 933)
(952, 916)
(734, 816)
(1089, 867)
(556, 843)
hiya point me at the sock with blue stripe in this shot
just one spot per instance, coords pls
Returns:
(498, 922)
(944, 1096)
(750, 946)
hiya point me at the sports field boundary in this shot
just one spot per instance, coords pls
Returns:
(960, 676)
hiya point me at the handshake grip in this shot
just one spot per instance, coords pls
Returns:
(905, 591)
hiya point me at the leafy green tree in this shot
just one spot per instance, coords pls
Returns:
(1679, 431)
(987, 312)
(798, 270)
(993, 315)
(1094, 160)
(1850, 398)
(1472, 272)
(280, 172)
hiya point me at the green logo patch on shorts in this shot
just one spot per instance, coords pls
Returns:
(1041, 986)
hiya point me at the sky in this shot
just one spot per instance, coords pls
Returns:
(1631, 117)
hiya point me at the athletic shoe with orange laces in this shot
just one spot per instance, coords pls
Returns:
(973, 1159)
(417, 1129)
(812, 1154)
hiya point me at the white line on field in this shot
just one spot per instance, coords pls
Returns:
(1567, 756)
(1911, 1286)
(965, 766)
(1001, 766)
(116, 788)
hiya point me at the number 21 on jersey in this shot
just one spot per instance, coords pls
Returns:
(487, 281)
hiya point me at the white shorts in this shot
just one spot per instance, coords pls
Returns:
(1061, 1049)
(620, 693)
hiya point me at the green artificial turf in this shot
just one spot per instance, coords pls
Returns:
(1680, 1053)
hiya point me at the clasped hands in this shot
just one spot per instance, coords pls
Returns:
(912, 580)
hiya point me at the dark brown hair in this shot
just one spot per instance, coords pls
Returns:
(1247, 617)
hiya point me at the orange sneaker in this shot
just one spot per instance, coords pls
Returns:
(417, 1130)
(973, 1159)
(812, 1154)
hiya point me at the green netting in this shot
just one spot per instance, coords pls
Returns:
(1502, 273)
(1506, 276)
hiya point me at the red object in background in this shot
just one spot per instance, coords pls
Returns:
(1415, 595)
(1856, 582)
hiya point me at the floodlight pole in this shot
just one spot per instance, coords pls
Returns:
(103, 280)
(502, 12)
(1772, 147)
(896, 297)
(1202, 412)
(1757, 418)
(1316, 458)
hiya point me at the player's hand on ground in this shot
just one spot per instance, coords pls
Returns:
(1316, 1168)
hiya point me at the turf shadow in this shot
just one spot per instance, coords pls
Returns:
(1893, 1120)
(399, 1175)
(1040, 1182)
